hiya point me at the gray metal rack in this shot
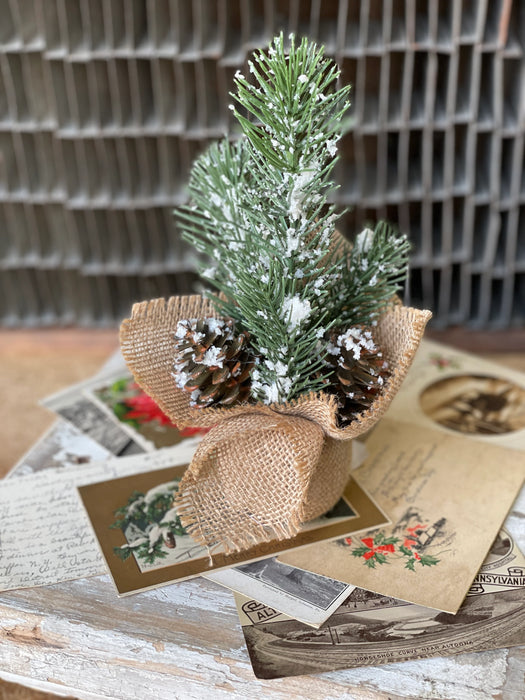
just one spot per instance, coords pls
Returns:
(104, 105)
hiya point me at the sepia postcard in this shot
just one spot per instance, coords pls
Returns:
(71, 405)
(371, 629)
(144, 544)
(463, 395)
(447, 498)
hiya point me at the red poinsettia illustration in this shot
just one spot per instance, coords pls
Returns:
(143, 408)
(133, 406)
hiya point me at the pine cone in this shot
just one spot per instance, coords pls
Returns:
(359, 372)
(212, 363)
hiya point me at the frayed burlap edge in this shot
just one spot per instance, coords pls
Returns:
(249, 480)
(148, 346)
(147, 341)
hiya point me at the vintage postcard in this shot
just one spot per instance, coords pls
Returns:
(45, 535)
(300, 594)
(370, 629)
(462, 394)
(121, 398)
(62, 445)
(447, 498)
(145, 545)
(297, 593)
(71, 405)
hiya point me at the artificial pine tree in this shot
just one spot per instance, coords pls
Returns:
(260, 212)
(316, 314)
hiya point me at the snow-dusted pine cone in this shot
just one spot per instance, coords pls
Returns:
(212, 363)
(359, 371)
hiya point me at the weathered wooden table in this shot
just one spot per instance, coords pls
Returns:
(184, 641)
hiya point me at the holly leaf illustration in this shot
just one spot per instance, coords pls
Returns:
(381, 558)
(410, 564)
(406, 551)
(428, 560)
(380, 539)
(370, 563)
(390, 540)
(359, 551)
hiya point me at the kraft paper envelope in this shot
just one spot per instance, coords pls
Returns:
(447, 497)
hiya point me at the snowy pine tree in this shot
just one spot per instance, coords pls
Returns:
(259, 211)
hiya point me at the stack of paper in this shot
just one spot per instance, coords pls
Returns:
(399, 569)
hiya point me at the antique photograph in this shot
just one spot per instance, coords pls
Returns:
(91, 420)
(472, 403)
(61, 445)
(300, 594)
(314, 589)
(371, 629)
(457, 392)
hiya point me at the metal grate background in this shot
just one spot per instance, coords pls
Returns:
(105, 103)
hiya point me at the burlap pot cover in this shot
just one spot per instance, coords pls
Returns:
(261, 470)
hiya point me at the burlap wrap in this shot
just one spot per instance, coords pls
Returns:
(261, 470)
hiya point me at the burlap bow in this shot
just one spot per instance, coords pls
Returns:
(261, 470)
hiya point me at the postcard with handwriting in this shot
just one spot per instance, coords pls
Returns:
(447, 498)
(45, 536)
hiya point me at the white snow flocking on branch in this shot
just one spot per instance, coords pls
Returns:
(355, 340)
(295, 311)
(299, 192)
(364, 240)
(160, 490)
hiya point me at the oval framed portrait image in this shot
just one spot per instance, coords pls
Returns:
(475, 404)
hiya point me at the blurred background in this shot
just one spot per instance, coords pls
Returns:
(104, 104)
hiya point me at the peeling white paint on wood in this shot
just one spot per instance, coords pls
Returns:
(185, 641)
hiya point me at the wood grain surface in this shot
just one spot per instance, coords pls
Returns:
(182, 641)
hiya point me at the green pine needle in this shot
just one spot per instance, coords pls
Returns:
(260, 217)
